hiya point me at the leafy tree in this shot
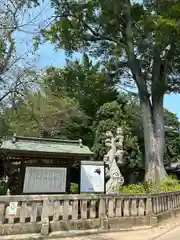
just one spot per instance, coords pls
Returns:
(131, 113)
(126, 113)
(47, 115)
(129, 36)
(86, 82)
(110, 116)
(172, 140)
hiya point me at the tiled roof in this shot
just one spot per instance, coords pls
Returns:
(45, 145)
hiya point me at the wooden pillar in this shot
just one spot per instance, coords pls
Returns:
(68, 180)
(79, 189)
(22, 176)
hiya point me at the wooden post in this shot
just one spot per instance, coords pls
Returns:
(21, 176)
(68, 180)
(79, 189)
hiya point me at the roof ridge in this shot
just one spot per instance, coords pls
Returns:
(45, 145)
(16, 138)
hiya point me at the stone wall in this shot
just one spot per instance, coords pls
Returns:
(51, 213)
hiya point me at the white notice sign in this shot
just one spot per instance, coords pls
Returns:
(45, 180)
(92, 177)
(12, 208)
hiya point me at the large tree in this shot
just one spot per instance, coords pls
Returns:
(141, 38)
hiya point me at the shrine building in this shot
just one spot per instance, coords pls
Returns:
(41, 165)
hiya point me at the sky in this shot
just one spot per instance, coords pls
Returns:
(48, 56)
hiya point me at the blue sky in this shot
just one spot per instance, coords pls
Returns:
(47, 56)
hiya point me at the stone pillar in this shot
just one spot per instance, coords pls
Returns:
(45, 219)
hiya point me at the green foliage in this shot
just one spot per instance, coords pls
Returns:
(132, 155)
(47, 115)
(74, 188)
(133, 188)
(89, 84)
(172, 133)
(110, 116)
(167, 185)
(100, 28)
(170, 185)
(3, 188)
(173, 176)
(2, 49)
(125, 112)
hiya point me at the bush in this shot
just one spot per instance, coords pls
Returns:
(170, 185)
(74, 188)
(3, 188)
(167, 185)
(133, 188)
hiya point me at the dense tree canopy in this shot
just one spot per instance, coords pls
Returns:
(43, 114)
(109, 117)
(126, 113)
(89, 84)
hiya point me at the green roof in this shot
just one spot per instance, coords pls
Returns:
(49, 145)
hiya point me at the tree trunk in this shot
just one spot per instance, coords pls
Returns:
(152, 114)
(159, 131)
(153, 123)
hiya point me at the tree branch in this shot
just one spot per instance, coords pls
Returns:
(10, 51)
(94, 32)
(132, 60)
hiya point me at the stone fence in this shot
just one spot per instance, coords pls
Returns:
(50, 213)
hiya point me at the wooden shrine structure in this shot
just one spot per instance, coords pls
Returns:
(18, 152)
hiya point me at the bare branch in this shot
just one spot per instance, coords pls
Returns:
(12, 77)
(128, 91)
(4, 64)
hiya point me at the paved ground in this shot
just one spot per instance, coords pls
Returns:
(143, 235)
(172, 235)
(167, 231)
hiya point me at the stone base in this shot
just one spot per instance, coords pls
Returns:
(45, 227)
(81, 227)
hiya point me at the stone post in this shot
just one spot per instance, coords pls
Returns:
(102, 214)
(149, 212)
(45, 219)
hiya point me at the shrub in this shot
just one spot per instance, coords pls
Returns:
(3, 188)
(167, 185)
(133, 188)
(170, 185)
(74, 188)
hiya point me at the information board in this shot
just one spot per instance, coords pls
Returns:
(92, 177)
(45, 180)
(12, 208)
